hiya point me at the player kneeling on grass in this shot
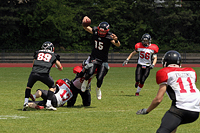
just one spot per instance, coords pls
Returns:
(77, 82)
(179, 84)
(62, 95)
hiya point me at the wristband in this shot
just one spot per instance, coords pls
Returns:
(60, 68)
(116, 41)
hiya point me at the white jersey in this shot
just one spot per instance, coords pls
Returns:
(181, 87)
(64, 93)
(146, 53)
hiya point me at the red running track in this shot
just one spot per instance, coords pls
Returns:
(77, 64)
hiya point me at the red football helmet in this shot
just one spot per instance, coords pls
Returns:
(103, 29)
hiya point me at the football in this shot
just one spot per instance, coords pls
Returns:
(86, 23)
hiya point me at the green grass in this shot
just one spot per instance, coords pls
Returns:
(115, 113)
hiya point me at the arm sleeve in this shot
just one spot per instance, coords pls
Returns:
(161, 77)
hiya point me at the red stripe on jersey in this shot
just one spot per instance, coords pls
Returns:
(161, 75)
(60, 82)
(153, 47)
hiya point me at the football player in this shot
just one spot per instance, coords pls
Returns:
(76, 86)
(179, 84)
(147, 53)
(42, 63)
(62, 95)
(102, 40)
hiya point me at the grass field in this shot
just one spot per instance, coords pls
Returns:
(115, 113)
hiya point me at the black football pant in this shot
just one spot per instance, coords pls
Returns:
(141, 74)
(101, 72)
(175, 117)
(86, 96)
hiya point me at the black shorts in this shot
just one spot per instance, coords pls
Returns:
(175, 117)
(43, 77)
(44, 97)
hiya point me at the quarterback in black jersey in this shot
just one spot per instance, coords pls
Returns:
(99, 56)
(42, 63)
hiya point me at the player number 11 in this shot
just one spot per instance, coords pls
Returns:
(182, 86)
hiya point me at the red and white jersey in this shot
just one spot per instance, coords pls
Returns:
(181, 87)
(78, 82)
(64, 93)
(145, 53)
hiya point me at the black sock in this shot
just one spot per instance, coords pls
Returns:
(27, 93)
(50, 95)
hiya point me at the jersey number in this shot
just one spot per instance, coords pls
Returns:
(182, 86)
(63, 94)
(144, 55)
(45, 57)
(98, 45)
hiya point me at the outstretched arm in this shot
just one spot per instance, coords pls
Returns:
(88, 28)
(129, 57)
(156, 101)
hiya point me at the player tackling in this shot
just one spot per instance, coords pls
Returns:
(179, 84)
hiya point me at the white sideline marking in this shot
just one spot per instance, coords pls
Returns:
(11, 116)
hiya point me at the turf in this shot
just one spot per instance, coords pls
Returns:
(115, 113)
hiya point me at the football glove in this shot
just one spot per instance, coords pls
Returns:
(152, 66)
(142, 112)
(125, 62)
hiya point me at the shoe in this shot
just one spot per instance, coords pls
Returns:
(84, 85)
(31, 96)
(98, 92)
(39, 107)
(51, 108)
(136, 94)
(25, 107)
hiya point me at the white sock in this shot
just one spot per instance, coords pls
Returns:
(34, 96)
(138, 89)
(48, 103)
(26, 100)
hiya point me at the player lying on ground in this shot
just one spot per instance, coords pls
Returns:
(60, 97)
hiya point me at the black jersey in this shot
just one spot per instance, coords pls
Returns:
(44, 59)
(101, 45)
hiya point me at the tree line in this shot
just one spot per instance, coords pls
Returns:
(29, 23)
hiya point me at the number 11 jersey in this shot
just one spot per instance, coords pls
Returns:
(181, 87)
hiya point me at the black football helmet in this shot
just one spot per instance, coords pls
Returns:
(171, 57)
(103, 29)
(48, 46)
(146, 39)
(67, 81)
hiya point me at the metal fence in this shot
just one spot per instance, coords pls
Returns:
(73, 57)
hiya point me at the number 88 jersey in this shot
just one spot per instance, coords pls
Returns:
(181, 87)
(146, 53)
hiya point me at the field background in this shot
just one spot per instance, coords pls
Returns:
(115, 113)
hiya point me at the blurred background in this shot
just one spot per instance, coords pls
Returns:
(26, 24)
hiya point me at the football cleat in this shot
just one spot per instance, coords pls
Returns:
(98, 92)
(51, 108)
(136, 94)
(25, 107)
(31, 96)
(39, 107)
(84, 85)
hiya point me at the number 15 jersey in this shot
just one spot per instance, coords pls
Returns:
(181, 87)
